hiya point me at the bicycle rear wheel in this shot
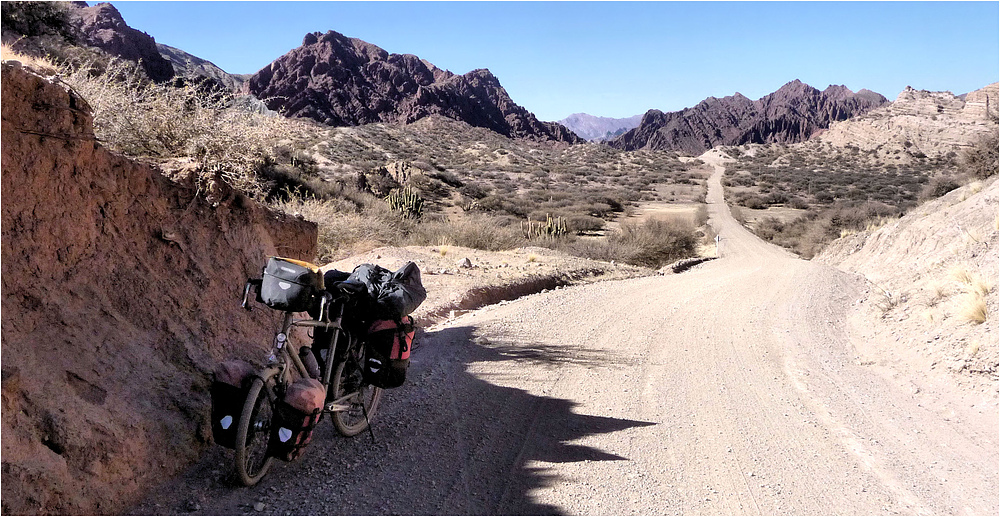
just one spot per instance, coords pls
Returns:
(346, 380)
(253, 435)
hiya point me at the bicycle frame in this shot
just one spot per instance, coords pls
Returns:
(281, 356)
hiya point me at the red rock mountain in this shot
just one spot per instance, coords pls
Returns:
(102, 26)
(343, 81)
(792, 114)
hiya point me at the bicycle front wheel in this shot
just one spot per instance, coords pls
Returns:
(253, 435)
(362, 403)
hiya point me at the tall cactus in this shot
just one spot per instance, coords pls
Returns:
(552, 228)
(407, 201)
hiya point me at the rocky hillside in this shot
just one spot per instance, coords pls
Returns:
(599, 128)
(120, 293)
(792, 114)
(920, 122)
(196, 69)
(341, 81)
(102, 26)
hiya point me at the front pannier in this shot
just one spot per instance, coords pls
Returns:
(296, 415)
(290, 285)
(388, 352)
(230, 384)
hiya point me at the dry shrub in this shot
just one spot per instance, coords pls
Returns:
(474, 231)
(344, 229)
(140, 118)
(983, 159)
(654, 243)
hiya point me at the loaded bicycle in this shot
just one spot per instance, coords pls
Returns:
(271, 412)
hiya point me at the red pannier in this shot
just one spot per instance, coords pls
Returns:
(296, 414)
(230, 383)
(388, 352)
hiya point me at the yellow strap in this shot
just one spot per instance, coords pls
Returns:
(313, 267)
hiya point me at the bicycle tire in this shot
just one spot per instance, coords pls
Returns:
(253, 435)
(353, 421)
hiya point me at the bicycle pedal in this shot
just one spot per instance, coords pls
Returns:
(333, 406)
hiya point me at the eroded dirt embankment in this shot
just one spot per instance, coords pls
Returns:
(120, 293)
(926, 272)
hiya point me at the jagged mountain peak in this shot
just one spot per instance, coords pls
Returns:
(342, 81)
(793, 113)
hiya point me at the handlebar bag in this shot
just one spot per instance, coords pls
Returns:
(230, 384)
(387, 353)
(296, 415)
(290, 285)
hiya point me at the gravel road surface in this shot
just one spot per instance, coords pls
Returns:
(732, 388)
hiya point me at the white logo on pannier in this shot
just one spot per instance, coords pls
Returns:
(284, 434)
(284, 285)
(226, 421)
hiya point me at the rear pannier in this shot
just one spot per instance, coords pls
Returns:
(388, 352)
(290, 285)
(296, 415)
(230, 383)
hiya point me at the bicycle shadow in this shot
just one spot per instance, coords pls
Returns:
(450, 441)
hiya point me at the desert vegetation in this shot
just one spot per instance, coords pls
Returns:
(434, 182)
(826, 192)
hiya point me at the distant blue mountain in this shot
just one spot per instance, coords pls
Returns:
(597, 129)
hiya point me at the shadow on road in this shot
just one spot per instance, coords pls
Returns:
(447, 442)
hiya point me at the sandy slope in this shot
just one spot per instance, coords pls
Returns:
(732, 388)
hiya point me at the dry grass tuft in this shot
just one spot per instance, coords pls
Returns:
(938, 292)
(38, 64)
(961, 274)
(972, 308)
(888, 300)
(875, 224)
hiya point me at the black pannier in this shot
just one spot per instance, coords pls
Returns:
(392, 295)
(230, 384)
(290, 285)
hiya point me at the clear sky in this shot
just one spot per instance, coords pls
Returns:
(618, 59)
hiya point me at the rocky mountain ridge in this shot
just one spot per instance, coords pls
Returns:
(793, 113)
(195, 69)
(341, 81)
(921, 123)
(102, 26)
(594, 128)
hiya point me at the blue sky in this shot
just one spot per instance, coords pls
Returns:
(618, 59)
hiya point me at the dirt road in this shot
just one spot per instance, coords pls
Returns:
(733, 388)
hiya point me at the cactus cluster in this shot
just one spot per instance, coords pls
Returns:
(407, 201)
(553, 227)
